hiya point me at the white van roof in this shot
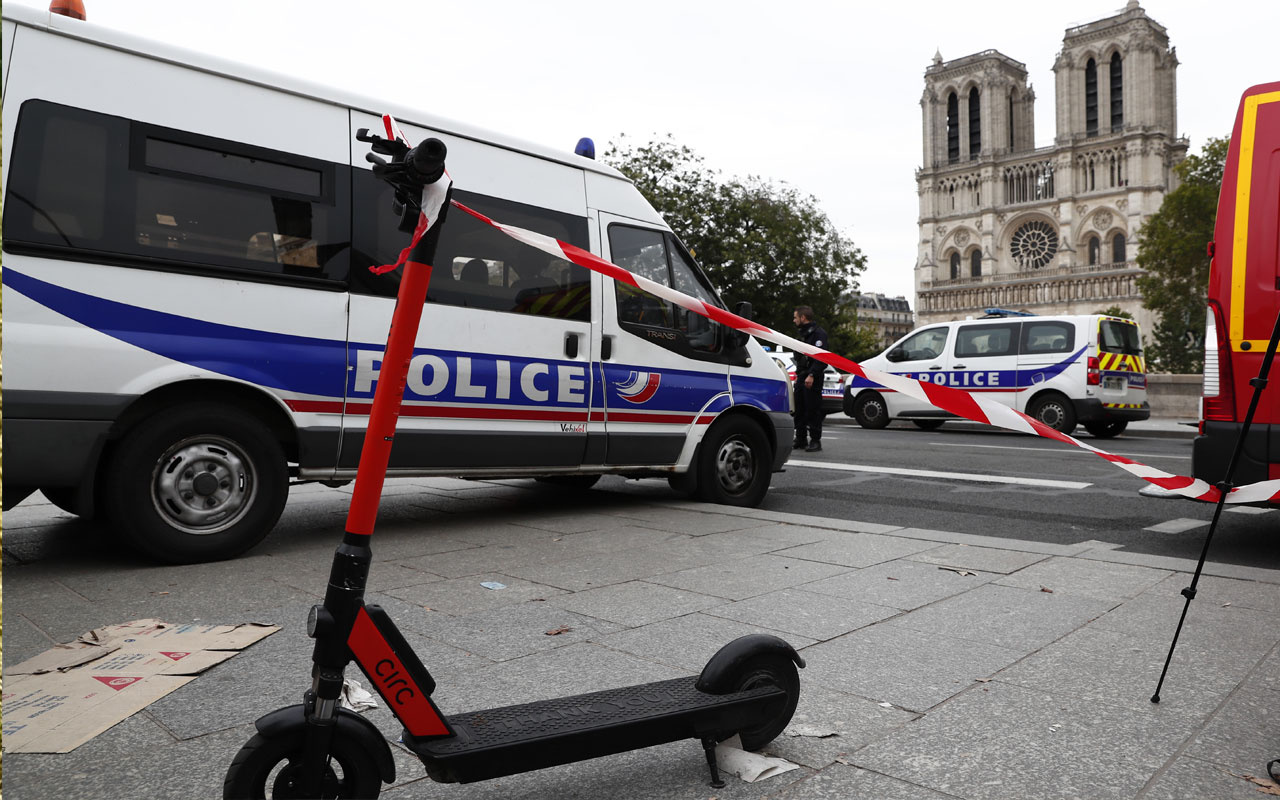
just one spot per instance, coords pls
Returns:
(252, 74)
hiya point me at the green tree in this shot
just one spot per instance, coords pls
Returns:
(1174, 254)
(1115, 311)
(759, 241)
(863, 340)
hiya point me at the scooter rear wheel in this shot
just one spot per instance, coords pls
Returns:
(773, 669)
(269, 767)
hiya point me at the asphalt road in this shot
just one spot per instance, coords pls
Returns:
(958, 478)
(1083, 497)
(1109, 508)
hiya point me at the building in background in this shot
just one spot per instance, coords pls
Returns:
(891, 316)
(1049, 230)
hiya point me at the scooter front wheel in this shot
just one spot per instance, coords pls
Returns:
(769, 669)
(269, 766)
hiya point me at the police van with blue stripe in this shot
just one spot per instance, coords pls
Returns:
(1061, 370)
(191, 325)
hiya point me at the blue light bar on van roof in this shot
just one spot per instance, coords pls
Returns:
(1005, 312)
(586, 148)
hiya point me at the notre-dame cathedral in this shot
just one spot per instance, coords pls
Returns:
(1051, 230)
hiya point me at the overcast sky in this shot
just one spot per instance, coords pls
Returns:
(822, 95)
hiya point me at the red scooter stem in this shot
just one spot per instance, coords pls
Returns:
(392, 375)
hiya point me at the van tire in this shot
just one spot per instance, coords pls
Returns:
(1054, 410)
(870, 410)
(1107, 430)
(928, 424)
(734, 463)
(184, 517)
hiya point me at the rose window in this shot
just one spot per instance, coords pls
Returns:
(1034, 244)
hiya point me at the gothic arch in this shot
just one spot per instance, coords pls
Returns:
(1088, 225)
(961, 240)
(952, 264)
(1108, 244)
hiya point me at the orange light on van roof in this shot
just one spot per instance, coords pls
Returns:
(68, 8)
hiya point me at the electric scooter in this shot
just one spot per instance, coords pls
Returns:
(314, 749)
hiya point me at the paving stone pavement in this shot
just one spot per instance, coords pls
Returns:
(943, 666)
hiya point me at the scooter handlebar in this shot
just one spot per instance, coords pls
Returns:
(424, 164)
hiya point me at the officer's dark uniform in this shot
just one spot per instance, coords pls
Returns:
(809, 399)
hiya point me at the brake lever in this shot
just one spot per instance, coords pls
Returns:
(388, 147)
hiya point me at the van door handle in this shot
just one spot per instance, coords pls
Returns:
(606, 348)
(936, 366)
(571, 345)
(957, 366)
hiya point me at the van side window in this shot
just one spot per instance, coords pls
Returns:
(477, 266)
(657, 256)
(924, 345)
(643, 252)
(981, 341)
(141, 195)
(1048, 337)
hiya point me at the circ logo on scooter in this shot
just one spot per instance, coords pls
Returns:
(388, 674)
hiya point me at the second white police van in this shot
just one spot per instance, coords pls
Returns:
(191, 325)
(1060, 370)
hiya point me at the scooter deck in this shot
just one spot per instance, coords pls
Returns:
(513, 739)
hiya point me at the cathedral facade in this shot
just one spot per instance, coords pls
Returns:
(1051, 230)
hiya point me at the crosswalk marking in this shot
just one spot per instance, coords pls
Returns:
(927, 473)
(1181, 525)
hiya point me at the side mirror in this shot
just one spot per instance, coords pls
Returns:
(735, 339)
(896, 354)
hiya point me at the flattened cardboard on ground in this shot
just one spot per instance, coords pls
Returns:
(62, 698)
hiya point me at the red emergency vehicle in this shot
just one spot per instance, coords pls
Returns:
(1244, 299)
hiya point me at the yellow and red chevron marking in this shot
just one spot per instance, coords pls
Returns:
(961, 403)
(1120, 362)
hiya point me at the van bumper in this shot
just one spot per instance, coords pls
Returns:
(784, 432)
(1093, 410)
(51, 452)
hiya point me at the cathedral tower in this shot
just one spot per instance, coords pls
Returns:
(1048, 230)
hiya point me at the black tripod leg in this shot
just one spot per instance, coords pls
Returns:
(709, 746)
(1224, 488)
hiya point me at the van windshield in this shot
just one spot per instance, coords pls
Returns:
(1119, 337)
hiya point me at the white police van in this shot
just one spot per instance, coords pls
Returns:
(190, 323)
(1061, 370)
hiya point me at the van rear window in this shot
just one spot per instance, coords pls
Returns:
(1045, 336)
(1119, 337)
(139, 195)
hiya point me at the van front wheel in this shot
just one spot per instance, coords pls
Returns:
(197, 483)
(734, 463)
(870, 411)
(1055, 411)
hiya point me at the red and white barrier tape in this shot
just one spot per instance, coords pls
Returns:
(955, 401)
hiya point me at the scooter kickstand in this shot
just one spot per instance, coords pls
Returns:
(709, 746)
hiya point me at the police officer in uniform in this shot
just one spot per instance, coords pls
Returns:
(808, 388)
